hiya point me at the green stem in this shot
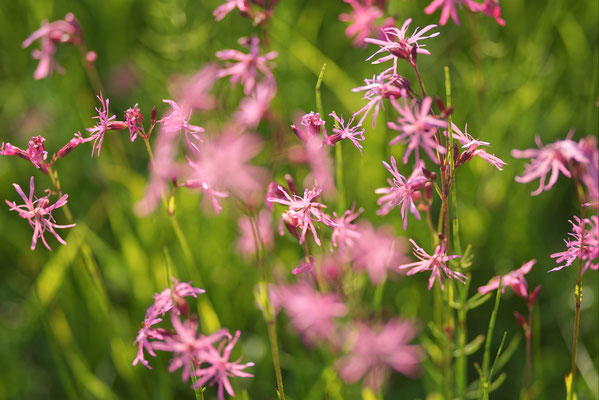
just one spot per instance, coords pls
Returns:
(485, 378)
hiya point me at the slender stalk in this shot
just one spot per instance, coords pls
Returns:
(528, 370)
(419, 79)
(274, 348)
(485, 378)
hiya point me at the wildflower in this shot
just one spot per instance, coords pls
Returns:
(343, 131)
(376, 251)
(178, 120)
(374, 350)
(514, 279)
(134, 120)
(36, 152)
(490, 8)
(320, 164)
(553, 158)
(220, 368)
(258, 230)
(252, 108)
(105, 123)
(60, 31)
(302, 213)
(402, 192)
(194, 92)
(417, 129)
(590, 173)
(229, 5)
(399, 46)
(245, 67)
(472, 147)
(311, 313)
(344, 233)
(67, 148)
(7, 149)
(362, 20)
(584, 244)
(314, 128)
(435, 263)
(38, 213)
(448, 7)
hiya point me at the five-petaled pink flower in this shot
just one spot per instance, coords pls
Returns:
(437, 264)
(38, 213)
(584, 244)
(514, 279)
(341, 130)
(362, 20)
(105, 123)
(417, 129)
(372, 351)
(554, 158)
(397, 45)
(401, 191)
(229, 5)
(472, 147)
(245, 67)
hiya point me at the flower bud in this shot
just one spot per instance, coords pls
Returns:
(67, 148)
(153, 115)
(535, 293)
(521, 320)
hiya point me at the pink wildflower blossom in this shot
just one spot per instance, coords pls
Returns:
(7, 149)
(472, 147)
(229, 5)
(194, 92)
(38, 213)
(345, 234)
(401, 192)
(590, 173)
(178, 120)
(514, 279)
(245, 67)
(314, 127)
(134, 120)
(374, 350)
(584, 244)
(377, 251)
(417, 129)
(37, 152)
(262, 229)
(346, 131)
(448, 7)
(362, 20)
(553, 158)
(490, 8)
(254, 107)
(105, 123)
(302, 213)
(320, 163)
(311, 313)
(221, 368)
(397, 45)
(437, 264)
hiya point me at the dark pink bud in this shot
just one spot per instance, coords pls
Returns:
(464, 158)
(91, 57)
(67, 148)
(291, 183)
(153, 115)
(534, 295)
(428, 192)
(521, 320)
(116, 126)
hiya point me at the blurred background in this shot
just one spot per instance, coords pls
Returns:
(67, 332)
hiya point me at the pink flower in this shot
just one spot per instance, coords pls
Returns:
(302, 213)
(435, 263)
(220, 368)
(362, 20)
(402, 192)
(397, 45)
(490, 8)
(377, 251)
(261, 228)
(343, 131)
(553, 158)
(105, 123)
(134, 120)
(448, 7)
(590, 173)
(245, 67)
(7, 149)
(314, 127)
(229, 5)
(374, 350)
(194, 92)
(38, 213)
(345, 234)
(514, 279)
(36, 152)
(583, 246)
(417, 129)
(254, 107)
(378, 88)
(321, 165)
(311, 313)
(73, 143)
(472, 147)
(178, 120)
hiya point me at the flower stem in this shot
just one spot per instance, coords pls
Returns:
(578, 296)
(528, 370)
(486, 378)
(419, 79)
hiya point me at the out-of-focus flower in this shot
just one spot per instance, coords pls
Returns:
(378, 88)
(260, 228)
(374, 350)
(362, 20)
(311, 313)
(178, 120)
(377, 251)
(221, 368)
(584, 244)
(553, 158)
(194, 92)
(245, 67)
(472, 147)
(397, 45)
(38, 213)
(252, 108)
(448, 7)
(417, 129)
(302, 213)
(320, 163)
(134, 120)
(590, 173)
(490, 8)
(346, 131)
(229, 5)
(345, 234)
(437, 264)
(514, 279)
(105, 123)
(401, 192)
(50, 33)
(314, 127)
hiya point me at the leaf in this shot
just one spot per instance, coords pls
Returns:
(470, 348)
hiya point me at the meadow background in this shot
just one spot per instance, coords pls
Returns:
(67, 332)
